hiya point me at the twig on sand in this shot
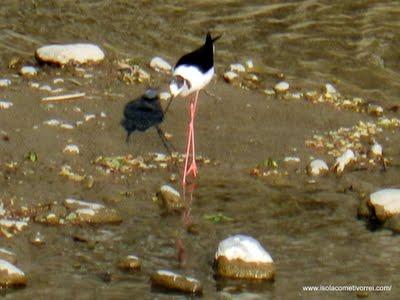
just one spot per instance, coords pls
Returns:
(63, 97)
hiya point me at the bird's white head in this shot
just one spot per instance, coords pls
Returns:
(179, 86)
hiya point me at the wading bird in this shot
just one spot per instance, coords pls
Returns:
(193, 72)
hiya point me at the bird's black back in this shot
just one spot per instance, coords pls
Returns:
(142, 113)
(203, 57)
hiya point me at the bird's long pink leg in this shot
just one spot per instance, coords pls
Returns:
(190, 147)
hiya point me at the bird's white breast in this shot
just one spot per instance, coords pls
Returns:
(196, 78)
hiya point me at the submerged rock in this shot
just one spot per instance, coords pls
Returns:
(10, 275)
(317, 167)
(129, 263)
(386, 203)
(171, 199)
(159, 64)
(69, 53)
(243, 257)
(176, 282)
(92, 213)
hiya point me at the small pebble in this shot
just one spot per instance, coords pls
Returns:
(37, 239)
(58, 80)
(159, 64)
(249, 64)
(164, 96)
(238, 68)
(89, 117)
(5, 82)
(45, 87)
(281, 87)
(317, 167)
(28, 71)
(330, 89)
(5, 104)
(343, 160)
(72, 149)
(130, 262)
(230, 76)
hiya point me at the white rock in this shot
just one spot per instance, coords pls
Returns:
(5, 104)
(71, 148)
(343, 160)
(5, 82)
(243, 247)
(290, 159)
(376, 150)
(159, 64)
(230, 76)
(169, 190)
(70, 53)
(66, 126)
(249, 64)
(89, 117)
(58, 80)
(386, 203)
(5, 266)
(269, 92)
(317, 167)
(330, 89)
(83, 204)
(297, 95)
(52, 122)
(35, 85)
(45, 87)
(238, 68)
(28, 71)
(85, 211)
(281, 87)
(8, 223)
(165, 96)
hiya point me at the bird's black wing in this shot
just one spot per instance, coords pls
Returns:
(202, 58)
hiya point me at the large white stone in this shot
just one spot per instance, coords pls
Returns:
(243, 247)
(70, 53)
(386, 203)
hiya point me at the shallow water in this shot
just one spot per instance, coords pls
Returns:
(311, 230)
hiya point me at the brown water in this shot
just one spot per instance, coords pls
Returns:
(311, 231)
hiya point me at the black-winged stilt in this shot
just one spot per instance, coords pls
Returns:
(143, 113)
(193, 72)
